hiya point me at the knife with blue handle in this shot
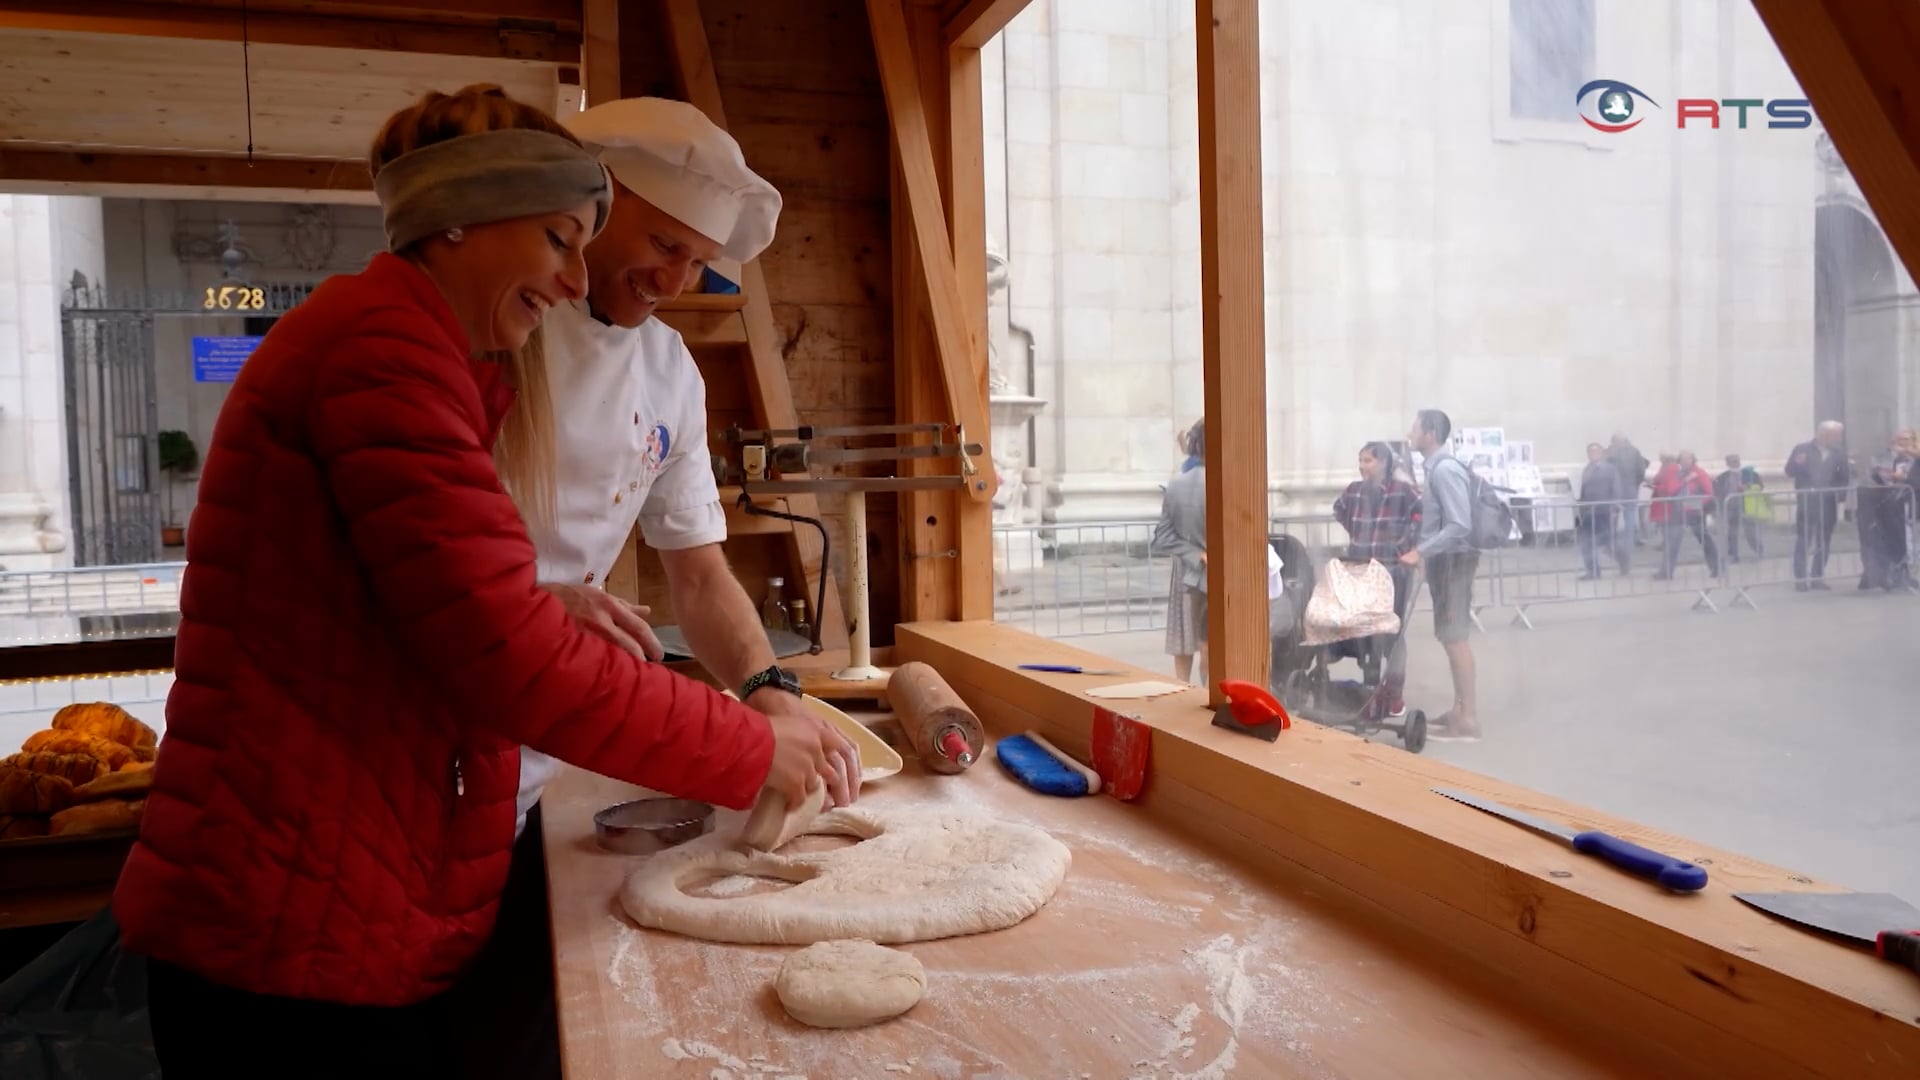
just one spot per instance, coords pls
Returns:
(1675, 874)
(1070, 669)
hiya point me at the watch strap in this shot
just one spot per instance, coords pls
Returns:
(775, 676)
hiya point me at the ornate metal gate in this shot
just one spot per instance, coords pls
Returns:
(113, 428)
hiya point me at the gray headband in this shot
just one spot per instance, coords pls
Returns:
(490, 176)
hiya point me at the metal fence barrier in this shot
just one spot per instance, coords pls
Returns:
(91, 590)
(1066, 580)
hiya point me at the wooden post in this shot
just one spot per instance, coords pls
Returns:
(1233, 335)
(920, 177)
(600, 50)
(935, 584)
(1854, 61)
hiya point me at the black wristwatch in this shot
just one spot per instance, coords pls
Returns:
(775, 676)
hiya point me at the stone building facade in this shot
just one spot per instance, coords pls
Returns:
(1442, 229)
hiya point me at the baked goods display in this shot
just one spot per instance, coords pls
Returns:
(87, 773)
(109, 722)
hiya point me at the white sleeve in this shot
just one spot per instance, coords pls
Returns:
(683, 506)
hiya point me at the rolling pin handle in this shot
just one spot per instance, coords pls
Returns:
(953, 744)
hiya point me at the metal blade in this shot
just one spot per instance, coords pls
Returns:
(1860, 916)
(1518, 817)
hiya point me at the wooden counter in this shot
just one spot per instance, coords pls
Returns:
(1157, 958)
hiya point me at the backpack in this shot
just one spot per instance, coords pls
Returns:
(1492, 520)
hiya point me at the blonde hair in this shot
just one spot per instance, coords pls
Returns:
(523, 454)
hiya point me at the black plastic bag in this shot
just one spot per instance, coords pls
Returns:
(79, 1011)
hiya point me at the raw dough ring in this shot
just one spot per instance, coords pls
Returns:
(848, 984)
(914, 878)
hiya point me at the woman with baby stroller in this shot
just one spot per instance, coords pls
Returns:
(1381, 514)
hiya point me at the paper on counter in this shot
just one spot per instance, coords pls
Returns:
(1147, 689)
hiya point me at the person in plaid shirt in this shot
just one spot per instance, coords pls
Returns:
(1381, 514)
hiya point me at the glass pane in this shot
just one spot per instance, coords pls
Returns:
(1093, 233)
(1611, 243)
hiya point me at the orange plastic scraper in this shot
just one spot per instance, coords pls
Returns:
(1120, 745)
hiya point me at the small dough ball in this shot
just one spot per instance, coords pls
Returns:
(848, 984)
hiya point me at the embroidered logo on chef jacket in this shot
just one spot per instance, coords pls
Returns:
(659, 445)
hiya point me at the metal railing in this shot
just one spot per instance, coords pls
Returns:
(91, 590)
(1067, 580)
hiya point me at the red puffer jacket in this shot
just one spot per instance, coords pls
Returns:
(362, 649)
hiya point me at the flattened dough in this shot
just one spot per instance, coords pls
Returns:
(772, 824)
(847, 984)
(914, 877)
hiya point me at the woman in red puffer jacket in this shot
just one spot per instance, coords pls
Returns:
(363, 648)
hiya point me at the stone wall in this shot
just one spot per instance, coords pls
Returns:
(44, 242)
(1424, 247)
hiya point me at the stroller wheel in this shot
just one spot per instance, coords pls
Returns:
(1414, 735)
(1294, 692)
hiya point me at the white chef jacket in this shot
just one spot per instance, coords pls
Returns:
(630, 435)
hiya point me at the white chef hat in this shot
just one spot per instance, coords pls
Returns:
(669, 153)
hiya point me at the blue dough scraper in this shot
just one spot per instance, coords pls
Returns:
(1038, 764)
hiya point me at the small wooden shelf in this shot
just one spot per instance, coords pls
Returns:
(705, 302)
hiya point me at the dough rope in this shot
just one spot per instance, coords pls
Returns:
(911, 878)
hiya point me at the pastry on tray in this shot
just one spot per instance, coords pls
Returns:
(22, 826)
(107, 721)
(76, 768)
(108, 814)
(130, 782)
(79, 742)
(24, 791)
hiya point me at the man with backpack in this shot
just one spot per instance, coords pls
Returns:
(1446, 548)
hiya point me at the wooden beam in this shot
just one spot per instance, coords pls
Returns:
(55, 170)
(1233, 338)
(600, 50)
(979, 21)
(965, 187)
(1854, 60)
(905, 108)
(767, 385)
(1700, 984)
(930, 521)
(511, 40)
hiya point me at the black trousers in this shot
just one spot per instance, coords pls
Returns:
(501, 1020)
(204, 1029)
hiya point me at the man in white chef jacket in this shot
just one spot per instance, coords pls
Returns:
(630, 406)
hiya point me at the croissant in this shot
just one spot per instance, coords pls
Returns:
(108, 721)
(131, 782)
(96, 817)
(23, 791)
(78, 742)
(22, 826)
(76, 768)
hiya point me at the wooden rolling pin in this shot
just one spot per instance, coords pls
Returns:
(943, 731)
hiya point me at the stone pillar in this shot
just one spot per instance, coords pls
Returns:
(43, 241)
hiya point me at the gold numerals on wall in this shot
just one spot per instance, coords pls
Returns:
(235, 297)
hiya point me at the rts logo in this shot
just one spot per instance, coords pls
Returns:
(1609, 105)
(1613, 104)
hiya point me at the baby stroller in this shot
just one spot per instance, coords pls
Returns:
(1303, 676)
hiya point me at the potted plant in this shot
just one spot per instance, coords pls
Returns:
(178, 457)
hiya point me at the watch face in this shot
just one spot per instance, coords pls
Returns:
(786, 680)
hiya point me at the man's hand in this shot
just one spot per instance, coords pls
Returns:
(842, 772)
(610, 617)
(1412, 557)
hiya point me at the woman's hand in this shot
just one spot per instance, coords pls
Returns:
(610, 617)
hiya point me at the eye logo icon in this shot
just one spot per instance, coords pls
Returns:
(1608, 105)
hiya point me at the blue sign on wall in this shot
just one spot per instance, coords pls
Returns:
(218, 359)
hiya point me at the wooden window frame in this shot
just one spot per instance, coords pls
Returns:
(1691, 985)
